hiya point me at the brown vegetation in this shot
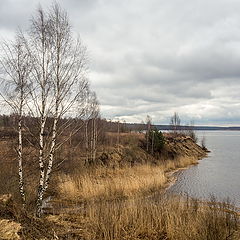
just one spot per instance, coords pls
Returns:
(104, 182)
(117, 196)
(158, 217)
(172, 218)
(9, 229)
(112, 183)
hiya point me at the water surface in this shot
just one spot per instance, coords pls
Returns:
(217, 175)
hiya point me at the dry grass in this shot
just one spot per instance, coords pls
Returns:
(106, 183)
(9, 229)
(173, 219)
(155, 218)
(179, 163)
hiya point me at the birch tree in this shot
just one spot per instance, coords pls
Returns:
(149, 123)
(16, 68)
(152, 149)
(59, 67)
(91, 126)
(45, 75)
(175, 122)
(38, 43)
(69, 65)
(95, 113)
(87, 115)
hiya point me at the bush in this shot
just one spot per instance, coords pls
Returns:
(156, 140)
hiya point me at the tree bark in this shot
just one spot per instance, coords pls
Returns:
(86, 142)
(41, 167)
(20, 162)
(51, 155)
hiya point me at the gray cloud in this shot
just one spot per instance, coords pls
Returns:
(153, 56)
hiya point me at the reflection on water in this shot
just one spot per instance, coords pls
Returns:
(217, 175)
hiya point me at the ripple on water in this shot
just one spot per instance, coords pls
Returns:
(217, 175)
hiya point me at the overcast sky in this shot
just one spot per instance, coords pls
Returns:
(154, 56)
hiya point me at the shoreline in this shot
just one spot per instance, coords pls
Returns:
(172, 178)
(77, 203)
(112, 181)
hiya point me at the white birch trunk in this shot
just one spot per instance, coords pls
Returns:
(118, 138)
(152, 141)
(94, 139)
(147, 139)
(51, 155)
(41, 167)
(148, 133)
(43, 85)
(86, 142)
(20, 164)
(16, 65)
(95, 148)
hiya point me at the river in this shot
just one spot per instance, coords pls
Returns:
(217, 175)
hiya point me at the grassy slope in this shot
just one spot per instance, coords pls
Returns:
(113, 200)
(129, 171)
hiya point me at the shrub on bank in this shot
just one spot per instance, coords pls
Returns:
(155, 141)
